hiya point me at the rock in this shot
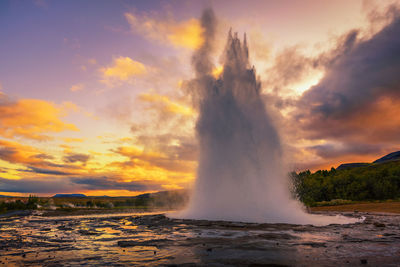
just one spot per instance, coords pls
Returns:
(272, 236)
(388, 234)
(65, 228)
(128, 243)
(314, 244)
(131, 243)
(378, 224)
(86, 232)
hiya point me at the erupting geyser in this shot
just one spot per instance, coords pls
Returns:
(240, 174)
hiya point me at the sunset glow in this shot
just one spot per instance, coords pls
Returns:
(95, 95)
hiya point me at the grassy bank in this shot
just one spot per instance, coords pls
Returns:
(16, 204)
(91, 211)
(391, 207)
(62, 206)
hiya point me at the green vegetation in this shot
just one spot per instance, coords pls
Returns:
(19, 204)
(333, 202)
(161, 200)
(371, 182)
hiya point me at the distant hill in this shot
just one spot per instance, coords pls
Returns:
(6, 196)
(171, 199)
(389, 157)
(394, 156)
(351, 165)
(144, 196)
(69, 195)
(163, 194)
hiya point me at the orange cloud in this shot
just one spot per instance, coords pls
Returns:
(135, 152)
(142, 167)
(16, 153)
(32, 118)
(153, 160)
(166, 104)
(362, 136)
(376, 122)
(122, 69)
(36, 160)
(187, 34)
(382, 119)
(72, 140)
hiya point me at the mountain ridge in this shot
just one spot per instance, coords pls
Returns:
(393, 156)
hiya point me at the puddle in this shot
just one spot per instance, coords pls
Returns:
(153, 239)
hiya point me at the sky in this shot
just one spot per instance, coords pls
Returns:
(94, 95)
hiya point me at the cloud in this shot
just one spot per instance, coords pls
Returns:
(339, 150)
(351, 113)
(187, 34)
(72, 158)
(289, 67)
(168, 160)
(16, 153)
(72, 140)
(165, 104)
(119, 108)
(36, 185)
(291, 72)
(374, 122)
(76, 87)
(71, 184)
(43, 156)
(359, 96)
(32, 118)
(45, 171)
(166, 139)
(33, 159)
(111, 183)
(122, 69)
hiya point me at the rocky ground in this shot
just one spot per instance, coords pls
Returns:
(376, 207)
(153, 239)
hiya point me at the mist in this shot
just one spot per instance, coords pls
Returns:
(241, 174)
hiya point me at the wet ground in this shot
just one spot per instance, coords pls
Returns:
(151, 239)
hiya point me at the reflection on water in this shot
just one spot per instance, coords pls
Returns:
(153, 239)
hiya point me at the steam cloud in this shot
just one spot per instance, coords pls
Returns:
(362, 82)
(240, 176)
